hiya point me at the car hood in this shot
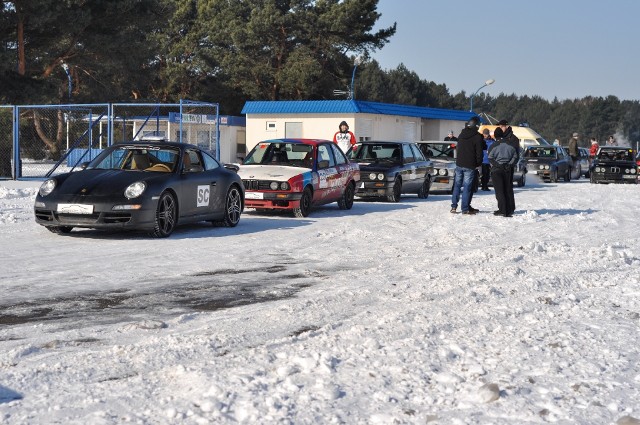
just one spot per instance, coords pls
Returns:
(270, 172)
(101, 182)
(443, 163)
(541, 160)
(377, 166)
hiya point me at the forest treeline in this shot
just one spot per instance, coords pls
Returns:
(228, 52)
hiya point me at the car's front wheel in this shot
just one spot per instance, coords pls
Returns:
(396, 191)
(423, 193)
(232, 209)
(59, 230)
(522, 180)
(305, 204)
(567, 177)
(166, 216)
(346, 202)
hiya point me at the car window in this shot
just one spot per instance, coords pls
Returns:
(192, 162)
(339, 155)
(325, 156)
(417, 153)
(210, 162)
(139, 158)
(407, 154)
(438, 150)
(370, 152)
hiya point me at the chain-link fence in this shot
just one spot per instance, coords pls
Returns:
(6, 141)
(184, 122)
(53, 139)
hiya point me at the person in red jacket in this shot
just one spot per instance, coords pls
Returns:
(344, 138)
(593, 150)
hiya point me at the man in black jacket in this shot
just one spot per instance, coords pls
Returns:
(505, 160)
(469, 157)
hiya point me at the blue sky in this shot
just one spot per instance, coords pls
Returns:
(551, 48)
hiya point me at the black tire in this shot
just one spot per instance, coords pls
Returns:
(166, 216)
(567, 177)
(346, 201)
(522, 180)
(423, 193)
(60, 230)
(397, 191)
(554, 177)
(305, 204)
(232, 208)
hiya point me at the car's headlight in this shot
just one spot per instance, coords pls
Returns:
(442, 172)
(372, 176)
(284, 186)
(381, 176)
(47, 187)
(273, 185)
(541, 166)
(135, 189)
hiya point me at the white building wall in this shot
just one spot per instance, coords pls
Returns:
(438, 129)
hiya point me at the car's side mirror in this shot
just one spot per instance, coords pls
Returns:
(232, 167)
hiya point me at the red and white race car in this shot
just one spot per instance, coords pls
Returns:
(297, 174)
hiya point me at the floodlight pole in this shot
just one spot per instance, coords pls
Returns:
(486, 83)
(356, 62)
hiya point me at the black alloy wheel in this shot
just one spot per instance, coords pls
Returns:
(166, 216)
(423, 193)
(232, 209)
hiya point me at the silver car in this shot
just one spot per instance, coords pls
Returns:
(443, 156)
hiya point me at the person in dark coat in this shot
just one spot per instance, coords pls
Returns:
(469, 157)
(486, 165)
(450, 137)
(503, 157)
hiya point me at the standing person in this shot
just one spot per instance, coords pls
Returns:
(611, 141)
(343, 137)
(486, 166)
(450, 137)
(503, 157)
(469, 157)
(506, 132)
(573, 149)
(593, 150)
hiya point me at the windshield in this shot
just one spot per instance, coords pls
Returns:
(288, 154)
(438, 150)
(373, 152)
(540, 152)
(146, 158)
(616, 154)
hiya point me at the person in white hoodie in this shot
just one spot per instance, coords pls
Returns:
(344, 138)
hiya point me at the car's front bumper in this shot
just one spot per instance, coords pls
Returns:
(374, 189)
(606, 178)
(272, 200)
(442, 183)
(102, 215)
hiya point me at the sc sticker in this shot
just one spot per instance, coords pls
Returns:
(203, 196)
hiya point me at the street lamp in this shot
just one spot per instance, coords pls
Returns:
(66, 69)
(486, 83)
(356, 62)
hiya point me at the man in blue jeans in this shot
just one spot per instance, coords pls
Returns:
(469, 157)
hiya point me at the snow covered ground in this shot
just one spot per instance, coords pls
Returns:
(384, 314)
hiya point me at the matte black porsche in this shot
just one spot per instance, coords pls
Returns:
(144, 186)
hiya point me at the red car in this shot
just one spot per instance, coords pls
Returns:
(297, 174)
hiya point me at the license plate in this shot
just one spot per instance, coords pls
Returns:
(628, 177)
(254, 195)
(75, 209)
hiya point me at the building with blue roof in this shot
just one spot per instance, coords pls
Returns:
(319, 119)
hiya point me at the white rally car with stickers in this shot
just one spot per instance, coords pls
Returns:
(298, 174)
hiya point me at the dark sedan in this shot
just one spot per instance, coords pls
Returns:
(389, 169)
(614, 164)
(549, 163)
(149, 186)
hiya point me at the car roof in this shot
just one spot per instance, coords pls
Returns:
(440, 142)
(142, 143)
(384, 142)
(296, 140)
